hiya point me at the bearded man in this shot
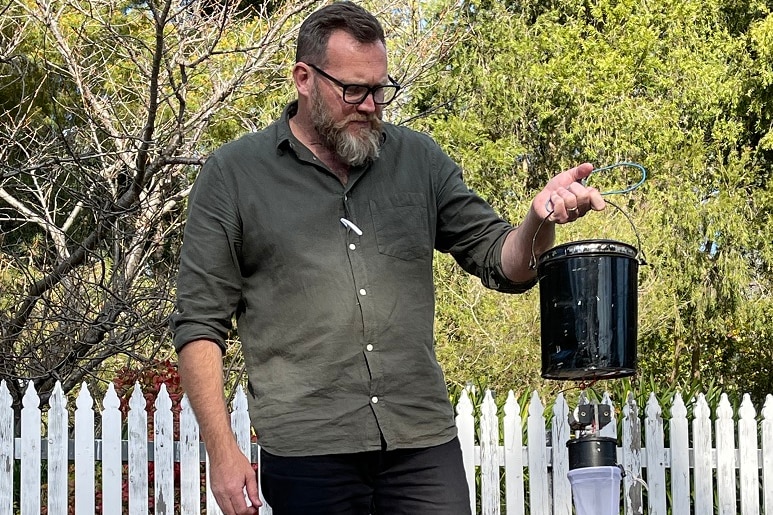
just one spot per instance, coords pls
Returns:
(317, 234)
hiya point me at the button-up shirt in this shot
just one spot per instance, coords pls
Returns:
(331, 285)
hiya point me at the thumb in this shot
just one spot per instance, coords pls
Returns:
(580, 172)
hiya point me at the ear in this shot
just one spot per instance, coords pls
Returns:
(302, 78)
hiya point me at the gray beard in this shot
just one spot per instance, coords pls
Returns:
(354, 150)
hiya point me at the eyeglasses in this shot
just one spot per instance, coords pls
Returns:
(357, 93)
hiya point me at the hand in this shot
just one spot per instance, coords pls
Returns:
(565, 198)
(230, 474)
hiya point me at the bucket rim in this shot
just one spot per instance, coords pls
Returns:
(534, 262)
(589, 247)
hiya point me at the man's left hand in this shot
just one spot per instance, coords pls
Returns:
(565, 199)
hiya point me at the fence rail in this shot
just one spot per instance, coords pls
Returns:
(728, 468)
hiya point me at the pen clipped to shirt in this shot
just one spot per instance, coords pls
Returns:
(349, 224)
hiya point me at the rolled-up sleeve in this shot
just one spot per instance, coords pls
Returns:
(209, 279)
(471, 231)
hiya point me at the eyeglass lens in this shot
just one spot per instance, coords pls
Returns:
(355, 94)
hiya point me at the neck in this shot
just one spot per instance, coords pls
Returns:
(304, 131)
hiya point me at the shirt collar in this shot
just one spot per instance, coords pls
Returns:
(284, 135)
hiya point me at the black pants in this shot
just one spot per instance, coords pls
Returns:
(423, 481)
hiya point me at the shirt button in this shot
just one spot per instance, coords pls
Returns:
(363, 292)
(374, 399)
(352, 246)
(369, 347)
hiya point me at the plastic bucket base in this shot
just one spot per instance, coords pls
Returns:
(596, 490)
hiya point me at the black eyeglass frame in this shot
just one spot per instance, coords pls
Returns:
(371, 90)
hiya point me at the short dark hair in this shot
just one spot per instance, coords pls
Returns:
(316, 30)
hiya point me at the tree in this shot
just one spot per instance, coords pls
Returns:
(107, 111)
(681, 87)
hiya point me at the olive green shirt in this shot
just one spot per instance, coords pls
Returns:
(336, 327)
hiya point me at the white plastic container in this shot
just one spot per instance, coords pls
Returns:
(596, 490)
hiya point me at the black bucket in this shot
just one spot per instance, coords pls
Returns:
(588, 310)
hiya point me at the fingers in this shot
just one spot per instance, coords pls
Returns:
(565, 198)
(235, 504)
(596, 200)
(580, 172)
(251, 490)
(235, 487)
(573, 202)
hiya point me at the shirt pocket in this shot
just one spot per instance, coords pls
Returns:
(402, 230)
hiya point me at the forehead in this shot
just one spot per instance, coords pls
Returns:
(346, 54)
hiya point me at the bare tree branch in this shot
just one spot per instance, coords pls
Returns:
(111, 109)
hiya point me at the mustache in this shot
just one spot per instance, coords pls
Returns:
(375, 121)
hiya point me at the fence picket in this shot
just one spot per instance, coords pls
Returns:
(609, 430)
(562, 490)
(631, 458)
(465, 424)
(84, 453)
(6, 450)
(745, 470)
(190, 460)
(30, 452)
(138, 453)
(240, 420)
(58, 426)
(654, 451)
(748, 462)
(513, 440)
(725, 432)
(489, 456)
(702, 471)
(211, 503)
(538, 459)
(680, 456)
(112, 469)
(163, 449)
(767, 454)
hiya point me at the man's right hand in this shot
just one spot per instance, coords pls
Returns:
(231, 476)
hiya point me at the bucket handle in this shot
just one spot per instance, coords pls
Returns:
(640, 252)
(621, 164)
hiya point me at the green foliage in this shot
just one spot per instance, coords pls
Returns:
(473, 343)
(683, 88)
(514, 91)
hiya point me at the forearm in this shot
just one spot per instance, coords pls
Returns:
(201, 374)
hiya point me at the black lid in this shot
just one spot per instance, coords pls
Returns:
(592, 451)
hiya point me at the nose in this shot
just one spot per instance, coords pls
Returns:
(368, 105)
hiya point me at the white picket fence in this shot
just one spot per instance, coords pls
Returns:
(728, 464)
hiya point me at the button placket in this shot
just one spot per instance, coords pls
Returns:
(354, 241)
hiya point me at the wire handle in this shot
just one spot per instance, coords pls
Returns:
(640, 252)
(617, 165)
(533, 262)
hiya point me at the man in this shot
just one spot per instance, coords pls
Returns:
(317, 233)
